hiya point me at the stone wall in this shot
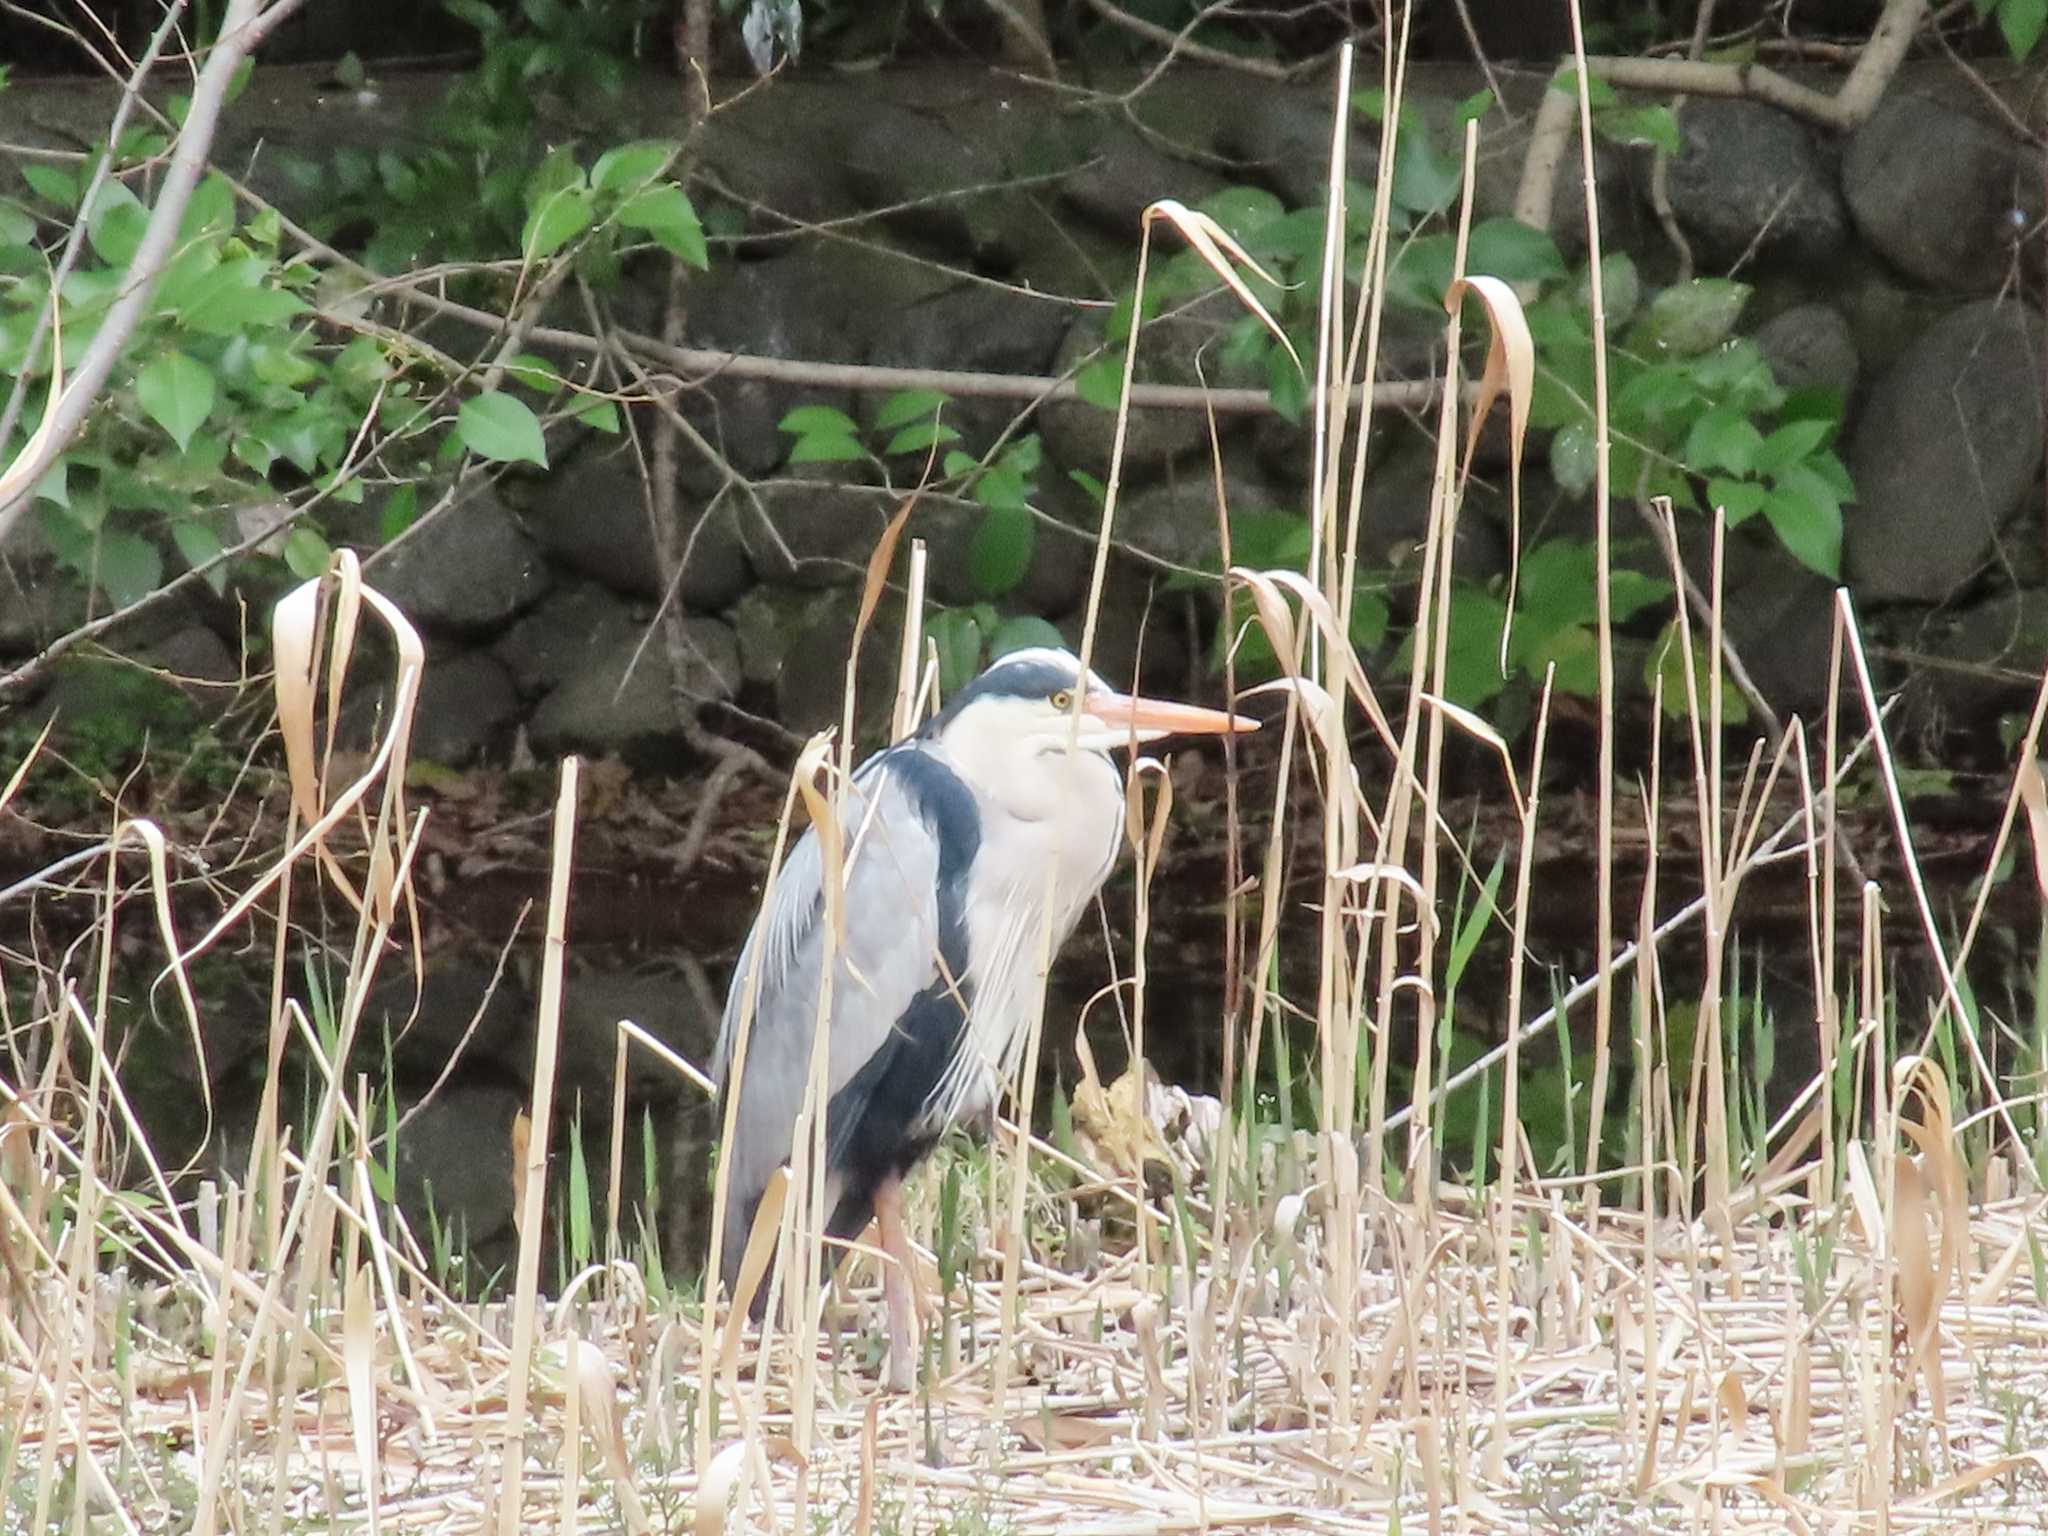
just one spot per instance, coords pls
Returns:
(1900, 267)
(964, 215)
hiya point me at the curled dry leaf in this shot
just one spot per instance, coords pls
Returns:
(723, 1476)
(295, 634)
(1218, 250)
(715, 1490)
(1510, 365)
(1931, 1182)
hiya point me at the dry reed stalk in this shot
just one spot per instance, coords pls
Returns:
(1509, 1171)
(1446, 500)
(1909, 859)
(1603, 992)
(1337, 1017)
(1146, 835)
(905, 718)
(533, 1205)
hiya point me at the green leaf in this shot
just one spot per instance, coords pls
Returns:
(1020, 632)
(232, 297)
(1286, 386)
(255, 453)
(1574, 458)
(1472, 657)
(53, 184)
(1791, 443)
(1369, 619)
(1833, 473)
(597, 413)
(554, 222)
(1474, 107)
(306, 553)
(129, 567)
(535, 372)
(1574, 651)
(1002, 486)
(176, 393)
(2022, 22)
(1690, 318)
(920, 437)
(1630, 592)
(1739, 500)
(400, 510)
(631, 166)
(501, 428)
(1511, 250)
(199, 542)
(825, 448)
(55, 486)
(1421, 271)
(1656, 126)
(806, 419)
(1724, 439)
(1666, 661)
(1807, 518)
(17, 224)
(1621, 288)
(1598, 92)
(908, 405)
(1001, 550)
(115, 223)
(665, 213)
(957, 639)
(1269, 541)
(1101, 383)
(1243, 211)
(1425, 179)
(210, 212)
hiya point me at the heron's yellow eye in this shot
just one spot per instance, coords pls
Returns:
(1063, 701)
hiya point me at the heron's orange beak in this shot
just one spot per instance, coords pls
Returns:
(1158, 717)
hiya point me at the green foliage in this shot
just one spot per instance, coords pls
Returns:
(244, 391)
(1618, 121)
(1694, 412)
(1554, 616)
(910, 433)
(2020, 23)
(968, 639)
(491, 182)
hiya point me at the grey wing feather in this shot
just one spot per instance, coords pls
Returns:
(889, 953)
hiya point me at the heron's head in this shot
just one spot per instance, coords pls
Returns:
(1025, 702)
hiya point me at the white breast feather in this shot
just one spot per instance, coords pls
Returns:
(1005, 931)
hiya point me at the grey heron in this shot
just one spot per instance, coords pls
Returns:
(959, 834)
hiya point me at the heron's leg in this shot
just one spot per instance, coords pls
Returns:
(901, 1371)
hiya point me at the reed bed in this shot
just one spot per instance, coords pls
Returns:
(1211, 1315)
